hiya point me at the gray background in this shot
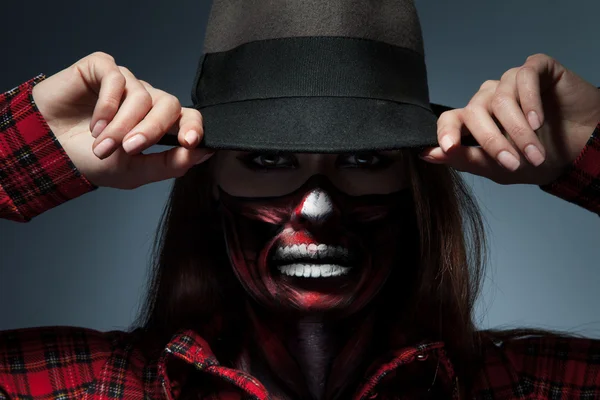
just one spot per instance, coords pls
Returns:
(85, 263)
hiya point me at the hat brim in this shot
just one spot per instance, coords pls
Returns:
(318, 125)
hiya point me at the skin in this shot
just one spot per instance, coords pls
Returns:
(314, 344)
(96, 101)
(539, 105)
(307, 322)
(275, 185)
(540, 113)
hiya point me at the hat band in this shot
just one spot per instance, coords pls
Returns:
(312, 67)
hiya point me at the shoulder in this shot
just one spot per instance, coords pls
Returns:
(550, 350)
(542, 363)
(54, 361)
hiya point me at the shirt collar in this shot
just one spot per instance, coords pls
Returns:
(193, 351)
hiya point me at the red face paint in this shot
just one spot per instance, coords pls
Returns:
(317, 249)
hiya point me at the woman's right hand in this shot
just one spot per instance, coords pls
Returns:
(95, 106)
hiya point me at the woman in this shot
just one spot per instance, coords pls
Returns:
(313, 275)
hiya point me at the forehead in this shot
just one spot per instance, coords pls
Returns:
(232, 175)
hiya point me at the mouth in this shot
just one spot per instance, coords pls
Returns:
(313, 261)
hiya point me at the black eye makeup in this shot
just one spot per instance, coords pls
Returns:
(268, 160)
(364, 160)
(265, 161)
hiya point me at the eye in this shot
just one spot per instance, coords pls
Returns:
(369, 160)
(262, 160)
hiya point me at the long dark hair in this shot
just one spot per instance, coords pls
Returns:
(193, 286)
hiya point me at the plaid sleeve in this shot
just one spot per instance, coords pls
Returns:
(35, 172)
(51, 362)
(580, 184)
(554, 367)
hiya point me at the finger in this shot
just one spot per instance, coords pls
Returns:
(507, 111)
(530, 97)
(547, 72)
(473, 160)
(134, 108)
(102, 73)
(479, 122)
(164, 113)
(449, 129)
(168, 164)
(450, 125)
(191, 130)
(188, 126)
(434, 155)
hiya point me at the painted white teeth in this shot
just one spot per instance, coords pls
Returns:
(302, 250)
(311, 251)
(314, 270)
(306, 271)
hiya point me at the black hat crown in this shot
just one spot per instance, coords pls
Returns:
(314, 76)
(233, 23)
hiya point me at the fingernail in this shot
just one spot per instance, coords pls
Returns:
(534, 120)
(204, 158)
(534, 155)
(446, 143)
(104, 148)
(135, 143)
(508, 161)
(99, 127)
(430, 159)
(191, 137)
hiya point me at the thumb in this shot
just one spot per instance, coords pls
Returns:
(173, 163)
(473, 160)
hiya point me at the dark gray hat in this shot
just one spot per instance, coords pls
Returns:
(314, 76)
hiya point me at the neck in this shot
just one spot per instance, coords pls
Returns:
(308, 356)
(313, 344)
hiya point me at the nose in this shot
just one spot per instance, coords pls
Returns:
(315, 210)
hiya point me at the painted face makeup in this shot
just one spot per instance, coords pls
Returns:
(317, 249)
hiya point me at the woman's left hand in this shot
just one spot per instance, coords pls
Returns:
(531, 125)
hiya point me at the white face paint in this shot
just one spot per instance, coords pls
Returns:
(313, 260)
(317, 207)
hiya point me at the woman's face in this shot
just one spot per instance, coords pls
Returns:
(313, 233)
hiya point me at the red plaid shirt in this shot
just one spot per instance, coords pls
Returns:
(78, 363)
